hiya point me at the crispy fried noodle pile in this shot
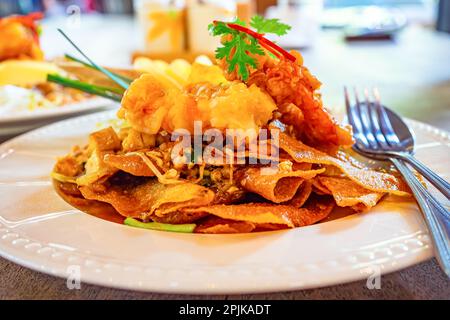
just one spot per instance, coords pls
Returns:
(131, 170)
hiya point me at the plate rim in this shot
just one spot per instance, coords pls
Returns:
(75, 108)
(10, 242)
(59, 270)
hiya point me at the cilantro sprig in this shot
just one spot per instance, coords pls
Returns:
(240, 44)
(274, 26)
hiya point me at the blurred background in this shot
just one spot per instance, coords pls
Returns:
(424, 11)
(171, 27)
(400, 46)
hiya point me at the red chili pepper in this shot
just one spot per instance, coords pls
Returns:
(263, 41)
(271, 50)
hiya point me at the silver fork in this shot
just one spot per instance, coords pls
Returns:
(376, 138)
(397, 142)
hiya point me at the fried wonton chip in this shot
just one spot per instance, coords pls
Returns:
(101, 143)
(132, 164)
(264, 213)
(270, 227)
(179, 217)
(216, 225)
(276, 186)
(302, 195)
(70, 193)
(347, 193)
(143, 200)
(318, 188)
(369, 179)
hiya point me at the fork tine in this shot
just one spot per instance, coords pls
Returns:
(354, 120)
(366, 97)
(347, 100)
(375, 121)
(366, 127)
(386, 126)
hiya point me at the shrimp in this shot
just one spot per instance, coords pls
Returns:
(146, 103)
(291, 84)
(19, 38)
(152, 104)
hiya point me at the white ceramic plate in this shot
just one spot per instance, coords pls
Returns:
(15, 122)
(40, 231)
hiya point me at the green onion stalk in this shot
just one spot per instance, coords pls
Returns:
(114, 94)
(72, 58)
(180, 228)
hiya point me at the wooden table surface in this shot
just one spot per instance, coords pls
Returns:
(413, 75)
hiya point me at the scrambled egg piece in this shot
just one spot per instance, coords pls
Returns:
(180, 72)
(206, 73)
(238, 107)
(152, 104)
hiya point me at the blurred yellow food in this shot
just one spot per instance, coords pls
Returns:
(203, 59)
(26, 72)
(179, 69)
(181, 72)
(157, 68)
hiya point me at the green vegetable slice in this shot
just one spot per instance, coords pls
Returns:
(180, 228)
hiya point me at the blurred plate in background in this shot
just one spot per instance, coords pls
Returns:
(19, 121)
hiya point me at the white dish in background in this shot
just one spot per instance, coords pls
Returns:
(16, 121)
(40, 231)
